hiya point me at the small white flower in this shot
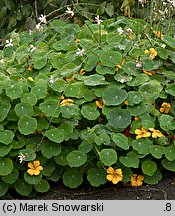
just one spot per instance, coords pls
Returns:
(9, 43)
(123, 79)
(21, 157)
(163, 45)
(138, 64)
(120, 30)
(69, 11)
(2, 61)
(32, 48)
(42, 18)
(39, 27)
(129, 30)
(97, 19)
(80, 52)
(52, 79)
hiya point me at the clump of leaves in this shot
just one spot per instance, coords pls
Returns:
(78, 100)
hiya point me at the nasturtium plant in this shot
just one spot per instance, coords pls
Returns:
(91, 102)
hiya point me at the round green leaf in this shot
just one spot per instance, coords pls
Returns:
(108, 156)
(12, 177)
(76, 90)
(6, 166)
(156, 151)
(14, 91)
(96, 177)
(23, 187)
(3, 188)
(130, 160)
(76, 158)
(42, 187)
(103, 138)
(151, 89)
(148, 124)
(134, 97)
(29, 98)
(40, 63)
(4, 110)
(95, 80)
(6, 136)
(72, 178)
(40, 91)
(90, 111)
(138, 109)
(142, 145)
(119, 118)
(149, 167)
(120, 140)
(22, 109)
(50, 149)
(85, 147)
(113, 96)
(169, 41)
(170, 89)
(110, 58)
(32, 179)
(166, 122)
(48, 168)
(101, 69)
(50, 108)
(170, 152)
(27, 125)
(70, 111)
(55, 135)
(154, 179)
(169, 165)
(61, 45)
(4, 150)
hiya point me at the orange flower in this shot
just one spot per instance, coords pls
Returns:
(155, 133)
(66, 102)
(136, 180)
(100, 103)
(114, 175)
(126, 103)
(136, 118)
(81, 72)
(165, 107)
(30, 68)
(142, 133)
(35, 168)
(158, 34)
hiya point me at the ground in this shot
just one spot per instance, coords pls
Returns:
(164, 190)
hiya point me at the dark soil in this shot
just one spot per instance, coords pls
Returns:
(161, 191)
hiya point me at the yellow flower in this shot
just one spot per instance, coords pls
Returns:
(136, 180)
(150, 73)
(165, 107)
(142, 133)
(66, 102)
(30, 79)
(158, 34)
(155, 133)
(35, 168)
(100, 103)
(114, 175)
(152, 51)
